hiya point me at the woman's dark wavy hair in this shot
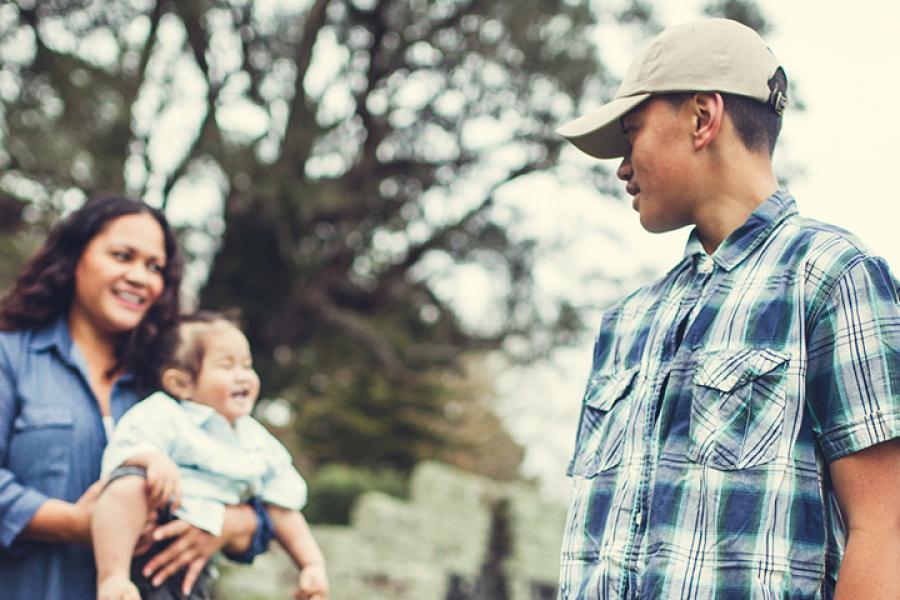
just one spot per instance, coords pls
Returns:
(44, 288)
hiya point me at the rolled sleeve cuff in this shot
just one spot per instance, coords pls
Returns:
(262, 537)
(859, 435)
(19, 515)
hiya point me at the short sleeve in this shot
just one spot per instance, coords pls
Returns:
(853, 347)
(283, 485)
(149, 426)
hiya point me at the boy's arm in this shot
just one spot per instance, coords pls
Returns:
(867, 485)
(853, 352)
(295, 536)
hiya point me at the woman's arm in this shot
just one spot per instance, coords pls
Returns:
(61, 521)
(26, 513)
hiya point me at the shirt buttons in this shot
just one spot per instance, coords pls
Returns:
(705, 265)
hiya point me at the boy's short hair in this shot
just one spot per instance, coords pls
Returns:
(757, 125)
(183, 346)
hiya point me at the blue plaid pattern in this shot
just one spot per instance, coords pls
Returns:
(717, 397)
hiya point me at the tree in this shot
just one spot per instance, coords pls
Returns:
(348, 159)
(381, 134)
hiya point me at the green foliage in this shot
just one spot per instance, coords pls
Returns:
(353, 154)
(744, 11)
(351, 158)
(335, 488)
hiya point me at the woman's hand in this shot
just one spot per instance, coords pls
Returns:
(191, 548)
(79, 529)
(60, 521)
(146, 541)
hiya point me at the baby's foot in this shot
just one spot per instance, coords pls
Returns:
(117, 587)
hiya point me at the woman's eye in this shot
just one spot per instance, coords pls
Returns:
(121, 255)
(156, 268)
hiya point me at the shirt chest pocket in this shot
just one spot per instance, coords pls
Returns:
(737, 408)
(41, 445)
(604, 419)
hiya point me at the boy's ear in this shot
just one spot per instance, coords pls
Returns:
(708, 110)
(178, 383)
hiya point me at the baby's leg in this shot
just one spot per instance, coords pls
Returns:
(116, 524)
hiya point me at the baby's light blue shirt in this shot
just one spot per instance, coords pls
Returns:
(219, 464)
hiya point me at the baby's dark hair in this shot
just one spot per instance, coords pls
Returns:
(183, 345)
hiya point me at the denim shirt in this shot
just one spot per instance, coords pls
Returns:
(51, 442)
(718, 396)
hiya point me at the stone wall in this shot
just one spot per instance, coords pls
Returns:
(458, 537)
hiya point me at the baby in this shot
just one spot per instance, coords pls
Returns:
(199, 450)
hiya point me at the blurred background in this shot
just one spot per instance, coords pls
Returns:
(419, 260)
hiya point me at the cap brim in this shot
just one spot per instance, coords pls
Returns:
(599, 132)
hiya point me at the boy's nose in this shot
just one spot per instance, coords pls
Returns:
(624, 171)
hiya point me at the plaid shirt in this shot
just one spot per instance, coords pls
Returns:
(717, 397)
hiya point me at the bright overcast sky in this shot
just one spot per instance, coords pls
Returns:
(843, 57)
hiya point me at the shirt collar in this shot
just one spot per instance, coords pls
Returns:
(55, 336)
(201, 414)
(746, 238)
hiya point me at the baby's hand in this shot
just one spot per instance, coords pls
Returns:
(163, 481)
(313, 583)
(117, 587)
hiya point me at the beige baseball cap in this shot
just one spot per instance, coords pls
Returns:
(710, 55)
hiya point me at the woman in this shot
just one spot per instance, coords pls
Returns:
(74, 333)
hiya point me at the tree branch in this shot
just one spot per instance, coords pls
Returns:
(298, 140)
(360, 329)
(442, 235)
(198, 40)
